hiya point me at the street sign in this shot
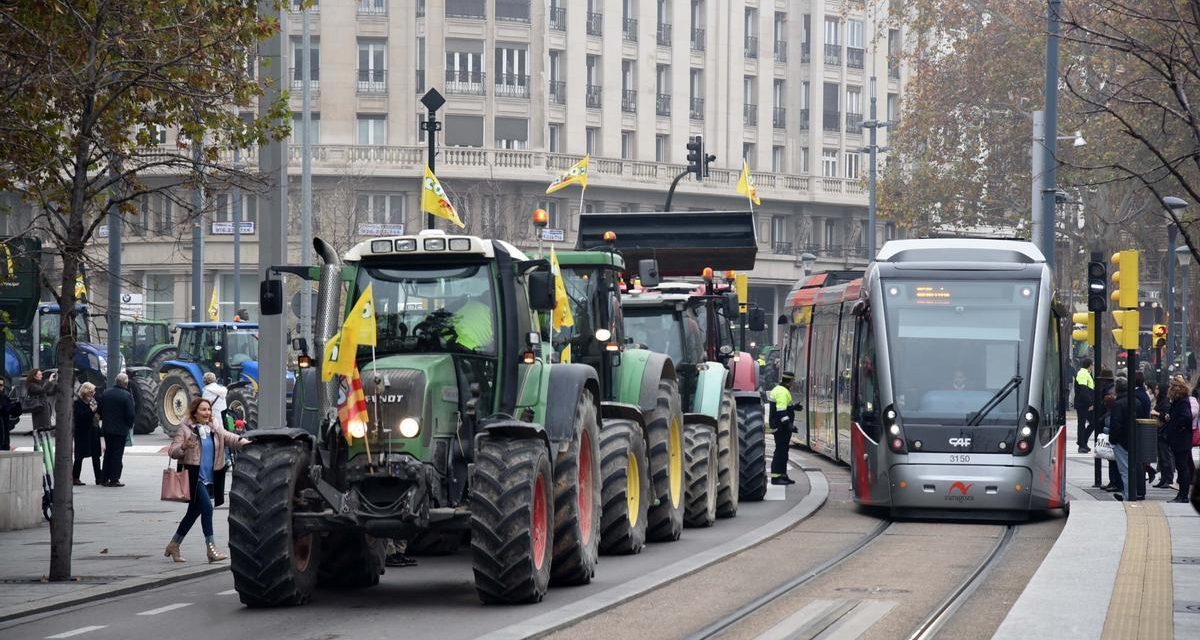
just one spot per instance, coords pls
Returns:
(133, 305)
(102, 231)
(226, 228)
(372, 229)
(554, 235)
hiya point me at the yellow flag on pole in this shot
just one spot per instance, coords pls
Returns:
(745, 185)
(213, 308)
(80, 287)
(434, 200)
(577, 174)
(562, 306)
(338, 359)
(360, 324)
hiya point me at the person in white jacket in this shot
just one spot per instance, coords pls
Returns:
(215, 393)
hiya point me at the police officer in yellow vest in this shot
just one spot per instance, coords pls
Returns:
(781, 419)
(1085, 399)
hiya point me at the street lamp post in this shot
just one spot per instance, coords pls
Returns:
(1049, 174)
(1185, 260)
(433, 101)
(807, 260)
(873, 148)
(1173, 205)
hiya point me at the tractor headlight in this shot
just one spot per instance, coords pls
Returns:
(358, 428)
(409, 427)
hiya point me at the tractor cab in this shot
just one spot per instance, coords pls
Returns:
(90, 361)
(141, 340)
(592, 283)
(222, 348)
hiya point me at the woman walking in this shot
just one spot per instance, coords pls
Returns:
(1178, 429)
(40, 392)
(87, 433)
(201, 447)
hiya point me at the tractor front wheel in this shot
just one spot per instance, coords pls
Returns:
(144, 396)
(175, 393)
(728, 476)
(664, 438)
(577, 500)
(752, 451)
(243, 403)
(701, 460)
(626, 492)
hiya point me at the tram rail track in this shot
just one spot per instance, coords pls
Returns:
(933, 624)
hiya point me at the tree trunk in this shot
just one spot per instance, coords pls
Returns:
(62, 525)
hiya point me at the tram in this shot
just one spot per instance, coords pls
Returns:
(938, 376)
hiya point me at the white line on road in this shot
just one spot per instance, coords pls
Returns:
(170, 607)
(228, 593)
(75, 632)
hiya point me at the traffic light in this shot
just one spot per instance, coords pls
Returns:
(709, 158)
(1086, 334)
(1126, 333)
(695, 157)
(1159, 335)
(1097, 286)
(1125, 278)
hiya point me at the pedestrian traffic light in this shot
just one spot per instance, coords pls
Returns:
(1126, 333)
(1125, 278)
(1097, 286)
(1159, 335)
(695, 157)
(1088, 332)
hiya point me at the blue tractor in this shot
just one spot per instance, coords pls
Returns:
(227, 349)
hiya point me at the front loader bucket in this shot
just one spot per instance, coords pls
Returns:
(683, 242)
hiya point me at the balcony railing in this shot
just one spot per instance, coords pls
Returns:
(558, 92)
(698, 39)
(466, 83)
(662, 104)
(512, 10)
(779, 117)
(832, 120)
(664, 34)
(372, 7)
(595, 96)
(595, 23)
(298, 83)
(854, 58)
(469, 9)
(511, 85)
(780, 51)
(696, 109)
(372, 81)
(781, 248)
(420, 73)
(629, 29)
(751, 46)
(629, 101)
(803, 120)
(854, 122)
(805, 52)
(750, 115)
(558, 18)
(833, 55)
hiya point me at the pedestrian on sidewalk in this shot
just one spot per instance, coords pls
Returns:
(1105, 394)
(1166, 459)
(87, 433)
(10, 414)
(783, 412)
(117, 413)
(215, 393)
(1085, 398)
(39, 396)
(1118, 431)
(1178, 427)
(200, 445)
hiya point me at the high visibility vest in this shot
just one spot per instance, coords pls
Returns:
(473, 326)
(1084, 379)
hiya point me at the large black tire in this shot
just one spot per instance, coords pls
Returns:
(626, 492)
(271, 565)
(512, 520)
(752, 451)
(664, 439)
(145, 393)
(701, 459)
(350, 560)
(434, 543)
(577, 500)
(175, 392)
(243, 402)
(159, 358)
(728, 462)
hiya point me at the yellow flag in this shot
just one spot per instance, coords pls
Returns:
(745, 185)
(212, 305)
(434, 200)
(360, 324)
(80, 287)
(577, 174)
(566, 355)
(338, 358)
(562, 306)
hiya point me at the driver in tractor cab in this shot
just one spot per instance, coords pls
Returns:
(473, 320)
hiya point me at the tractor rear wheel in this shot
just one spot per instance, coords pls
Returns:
(664, 438)
(701, 460)
(156, 363)
(144, 397)
(728, 477)
(243, 402)
(175, 393)
(577, 500)
(272, 564)
(626, 492)
(512, 520)
(350, 560)
(752, 451)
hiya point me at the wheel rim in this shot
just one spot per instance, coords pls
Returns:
(176, 401)
(586, 475)
(633, 490)
(539, 522)
(675, 461)
(302, 552)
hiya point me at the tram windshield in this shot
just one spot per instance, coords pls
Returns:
(955, 344)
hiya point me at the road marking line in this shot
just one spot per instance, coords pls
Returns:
(75, 632)
(170, 607)
(228, 593)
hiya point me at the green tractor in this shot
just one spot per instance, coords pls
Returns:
(146, 343)
(470, 428)
(656, 459)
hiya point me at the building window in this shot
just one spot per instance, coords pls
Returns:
(380, 208)
(372, 129)
(662, 148)
(592, 137)
(463, 131)
(512, 71)
(160, 296)
(748, 154)
(853, 164)
(314, 64)
(893, 107)
(829, 163)
(248, 297)
(831, 234)
(157, 211)
(803, 168)
(555, 139)
(780, 238)
(420, 127)
(372, 66)
(314, 129)
(779, 159)
(512, 133)
(854, 100)
(224, 207)
(464, 68)
(627, 145)
(551, 208)
(833, 32)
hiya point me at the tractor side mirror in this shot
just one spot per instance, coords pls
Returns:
(300, 345)
(758, 319)
(732, 308)
(648, 272)
(270, 297)
(782, 320)
(541, 291)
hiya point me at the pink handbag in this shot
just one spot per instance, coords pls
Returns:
(175, 484)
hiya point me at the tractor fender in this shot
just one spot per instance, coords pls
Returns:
(745, 372)
(280, 434)
(135, 372)
(513, 428)
(622, 411)
(711, 381)
(700, 418)
(190, 367)
(250, 373)
(567, 381)
(747, 397)
(640, 373)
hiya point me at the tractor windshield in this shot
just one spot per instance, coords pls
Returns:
(658, 329)
(243, 347)
(580, 283)
(433, 309)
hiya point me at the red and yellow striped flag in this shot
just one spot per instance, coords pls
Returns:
(352, 407)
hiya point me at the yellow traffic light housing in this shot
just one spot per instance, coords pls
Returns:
(1125, 279)
(1159, 334)
(1126, 333)
(1086, 334)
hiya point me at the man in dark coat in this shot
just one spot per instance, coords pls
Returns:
(117, 413)
(10, 413)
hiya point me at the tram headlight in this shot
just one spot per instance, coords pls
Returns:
(1026, 432)
(1029, 421)
(894, 430)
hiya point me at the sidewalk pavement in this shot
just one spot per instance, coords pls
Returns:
(120, 534)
